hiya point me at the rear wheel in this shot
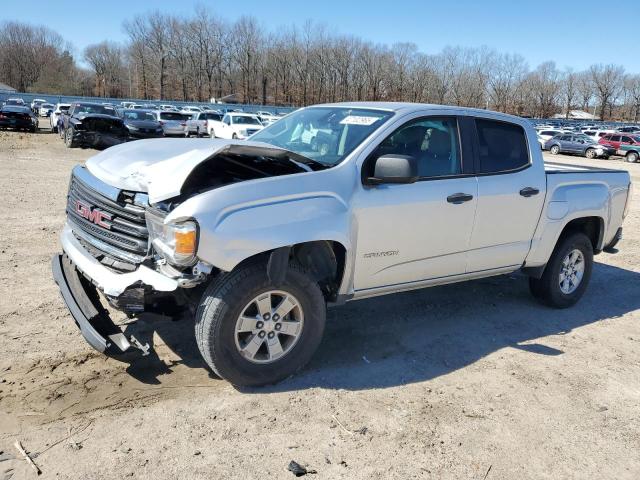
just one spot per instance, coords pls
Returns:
(567, 273)
(632, 157)
(555, 150)
(590, 153)
(252, 332)
(234, 136)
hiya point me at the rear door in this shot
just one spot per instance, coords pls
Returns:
(511, 191)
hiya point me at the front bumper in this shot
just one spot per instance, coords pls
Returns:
(109, 282)
(79, 277)
(98, 139)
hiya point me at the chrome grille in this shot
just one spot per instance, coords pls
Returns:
(123, 232)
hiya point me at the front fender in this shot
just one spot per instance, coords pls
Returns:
(233, 234)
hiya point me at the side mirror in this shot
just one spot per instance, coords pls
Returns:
(394, 169)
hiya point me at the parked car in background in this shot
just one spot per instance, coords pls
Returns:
(615, 140)
(171, 108)
(266, 118)
(138, 106)
(141, 123)
(577, 144)
(18, 117)
(35, 104)
(631, 153)
(239, 125)
(546, 134)
(93, 125)
(18, 102)
(204, 123)
(596, 134)
(46, 109)
(59, 109)
(173, 123)
(629, 129)
(190, 109)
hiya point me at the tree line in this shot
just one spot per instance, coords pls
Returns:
(203, 56)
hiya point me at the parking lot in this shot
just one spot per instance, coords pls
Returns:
(471, 380)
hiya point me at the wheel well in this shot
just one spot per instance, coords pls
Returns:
(324, 260)
(592, 227)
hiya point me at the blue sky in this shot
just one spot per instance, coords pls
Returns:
(515, 26)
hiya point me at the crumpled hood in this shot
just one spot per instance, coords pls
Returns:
(160, 166)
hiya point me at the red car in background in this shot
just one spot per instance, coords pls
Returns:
(616, 139)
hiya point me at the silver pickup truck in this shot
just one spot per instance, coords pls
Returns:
(332, 203)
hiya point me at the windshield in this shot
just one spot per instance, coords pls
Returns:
(172, 116)
(211, 116)
(138, 115)
(90, 108)
(242, 120)
(324, 134)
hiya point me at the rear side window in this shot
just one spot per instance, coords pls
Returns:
(615, 138)
(502, 146)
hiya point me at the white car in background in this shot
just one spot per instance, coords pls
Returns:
(204, 123)
(546, 134)
(168, 107)
(597, 134)
(267, 118)
(55, 115)
(239, 126)
(35, 104)
(46, 109)
(190, 109)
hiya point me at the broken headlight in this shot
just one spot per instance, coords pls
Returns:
(177, 242)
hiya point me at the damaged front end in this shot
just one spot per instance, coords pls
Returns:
(108, 251)
(122, 245)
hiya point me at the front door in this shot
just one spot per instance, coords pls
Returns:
(419, 231)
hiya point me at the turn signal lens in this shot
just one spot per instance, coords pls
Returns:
(185, 242)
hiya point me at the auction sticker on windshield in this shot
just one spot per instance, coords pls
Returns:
(358, 120)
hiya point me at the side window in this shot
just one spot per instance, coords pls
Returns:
(502, 146)
(626, 140)
(615, 138)
(432, 141)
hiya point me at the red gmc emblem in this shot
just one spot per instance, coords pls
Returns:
(94, 216)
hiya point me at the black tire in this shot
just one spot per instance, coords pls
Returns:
(547, 288)
(555, 149)
(68, 138)
(213, 133)
(590, 153)
(221, 306)
(234, 136)
(632, 157)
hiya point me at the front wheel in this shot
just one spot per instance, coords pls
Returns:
(213, 134)
(252, 332)
(590, 153)
(555, 150)
(567, 273)
(68, 138)
(632, 157)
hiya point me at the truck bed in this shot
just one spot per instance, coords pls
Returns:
(553, 168)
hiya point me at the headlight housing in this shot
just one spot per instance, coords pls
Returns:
(177, 242)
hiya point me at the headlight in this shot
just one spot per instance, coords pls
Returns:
(131, 127)
(176, 242)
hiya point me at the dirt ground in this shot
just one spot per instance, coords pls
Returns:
(474, 380)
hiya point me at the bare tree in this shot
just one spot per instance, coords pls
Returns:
(607, 80)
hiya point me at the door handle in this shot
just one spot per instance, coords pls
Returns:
(458, 198)
(529, 192)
